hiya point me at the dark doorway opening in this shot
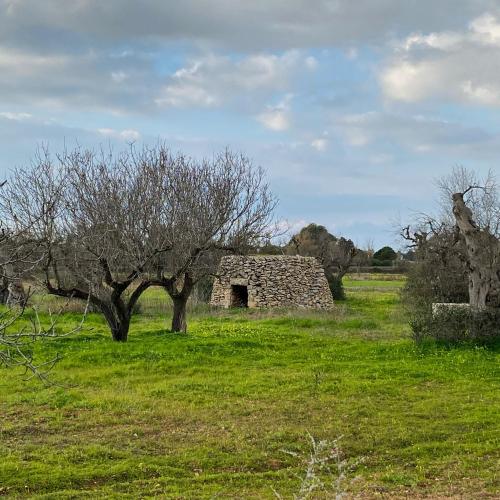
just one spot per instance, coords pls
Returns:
(239, 296)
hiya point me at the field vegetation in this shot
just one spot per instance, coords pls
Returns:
(229, 410)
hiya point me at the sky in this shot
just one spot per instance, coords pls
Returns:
(353, 108)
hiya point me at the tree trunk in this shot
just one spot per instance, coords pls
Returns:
(120, 331)
(179, 300)
(116, 312)
(179, 314)
(119, 326)
(4, 290)
(483, 256)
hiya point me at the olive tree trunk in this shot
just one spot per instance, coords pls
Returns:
(179, 299)
(119, 323)
(179, 323)
(483, 258)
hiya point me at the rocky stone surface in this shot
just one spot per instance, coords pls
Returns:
(271, 281)
(440, 308)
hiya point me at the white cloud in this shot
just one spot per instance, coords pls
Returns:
(214, 80)
(311, 62)
(319, 144)
(128, 135)
(119, 76)
(352, 53)
(380, 132)
(277, 118)
(89, 79)
(489, 95)
(451, 65)
(15, 116)
(487, 28)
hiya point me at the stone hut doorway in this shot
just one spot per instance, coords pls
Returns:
(239, 296)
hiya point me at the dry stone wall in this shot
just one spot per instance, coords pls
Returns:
(271, 281)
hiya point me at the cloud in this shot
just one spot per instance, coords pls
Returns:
(214, 80)
(113, 56)
(450, 65)
(277, 117)
(15, 116)
(128, 135)
(319, 144)
(261, 24)
(412, 134)
(89, 80)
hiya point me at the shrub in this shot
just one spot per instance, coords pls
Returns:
(336, 288)
(385, 254)
(458, 325)
(381, 263)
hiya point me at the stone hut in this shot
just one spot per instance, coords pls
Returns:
(271, 281)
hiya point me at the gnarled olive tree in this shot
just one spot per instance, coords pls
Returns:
(457, 260)
(482, 256)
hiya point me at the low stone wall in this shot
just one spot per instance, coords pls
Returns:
(440, 308)
(271, 281)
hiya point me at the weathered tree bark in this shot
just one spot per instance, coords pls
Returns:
(483, 258)
(16, 295)
(119, 323)
(12, 291)
(116, 311)
(179, 299)
(4, 289)
(179, 315)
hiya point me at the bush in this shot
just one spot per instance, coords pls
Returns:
(433, 279)
(429, 283)
(337, 288)
(458, 325)
(381, 263)
(385, 254)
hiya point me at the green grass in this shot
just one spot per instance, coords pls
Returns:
(348, 283)
(212, 413)
(373, 281)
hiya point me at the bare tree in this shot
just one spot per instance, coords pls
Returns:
(17, 343)
(483, 255)
(95, 219)
(479, 194)
(110, 226)
(211, 207)
(458, 259)
(471, 204)
(17, 257)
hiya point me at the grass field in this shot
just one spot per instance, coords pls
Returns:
(215, 413)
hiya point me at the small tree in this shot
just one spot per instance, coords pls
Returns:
(211, 207)
(95, 218)
(334, 254)
(384, 256)
(17, 256)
